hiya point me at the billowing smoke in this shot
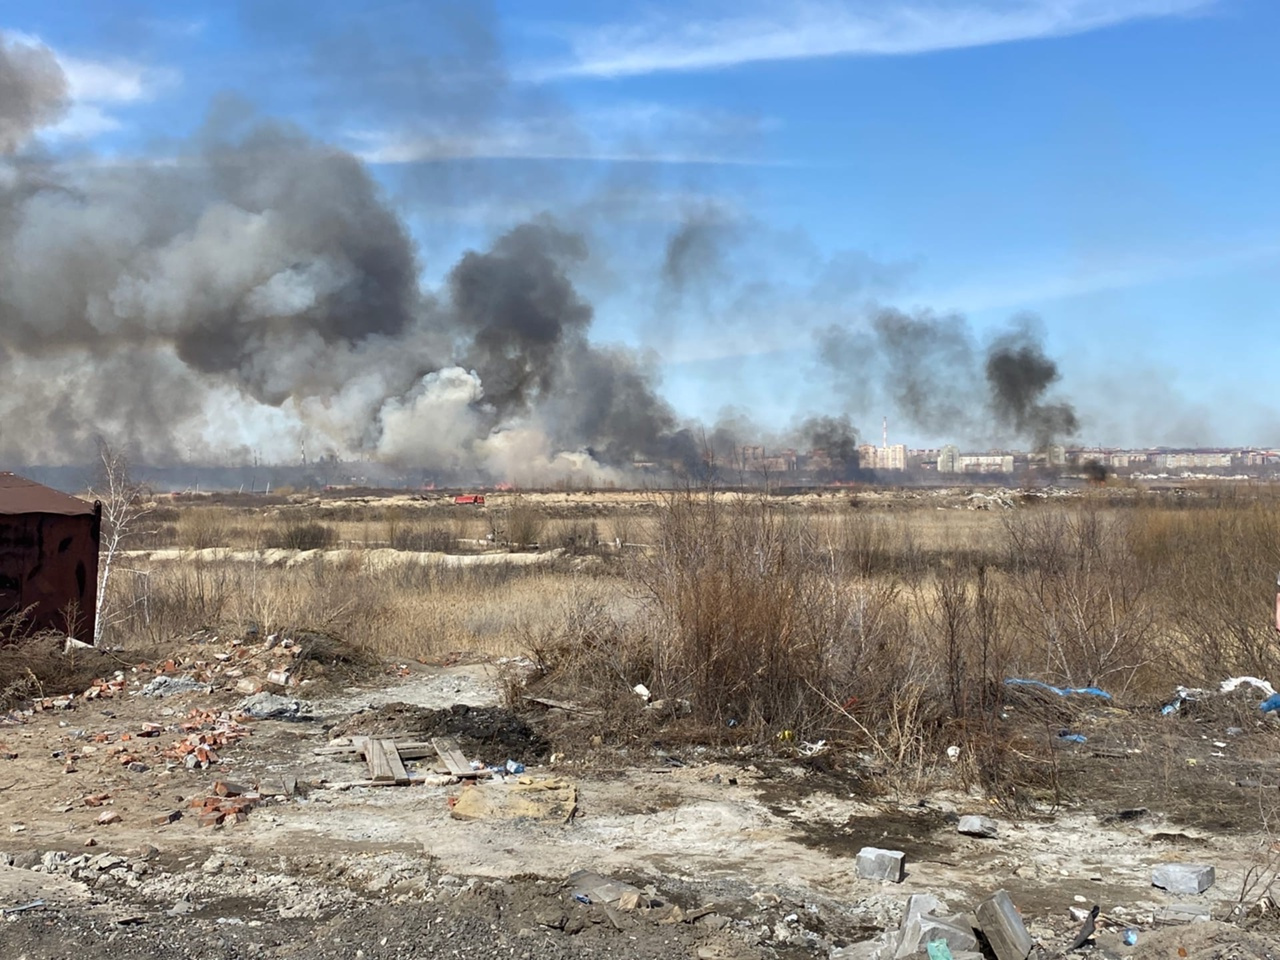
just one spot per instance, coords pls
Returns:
(33, 92)
(1018, 374)
(837, 439)
(256, 292)
(930, 369)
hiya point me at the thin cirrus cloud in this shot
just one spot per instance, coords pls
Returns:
(808, 30)
(624, 133)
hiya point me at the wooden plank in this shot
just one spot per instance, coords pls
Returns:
(384, 762)
(454, 759)
(408, 750)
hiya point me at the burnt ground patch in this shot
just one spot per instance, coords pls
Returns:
(494, 733)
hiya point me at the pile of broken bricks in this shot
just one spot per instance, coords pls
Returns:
(206, 731)
(926, 926)
(230, 803)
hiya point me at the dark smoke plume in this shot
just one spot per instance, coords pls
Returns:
(257, 293)
(1019, 373)
(837, 438)
(931, 370)
(33, 92)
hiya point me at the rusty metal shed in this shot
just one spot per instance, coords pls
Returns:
(48, 556)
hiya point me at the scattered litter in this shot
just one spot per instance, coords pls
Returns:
(1130, 936)
(1060, 691)
(1228, 685)
(514, 768)
(1271, 704)
(1066, 736)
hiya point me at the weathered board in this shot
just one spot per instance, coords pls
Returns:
(455, 761)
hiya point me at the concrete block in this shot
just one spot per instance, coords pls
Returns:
(1183, 877)
(1003, 927)
(923, 905)
(876, 864)
(974, 826)
(919, 931)
(1183, 913)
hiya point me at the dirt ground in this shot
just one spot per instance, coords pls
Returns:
(731, 855)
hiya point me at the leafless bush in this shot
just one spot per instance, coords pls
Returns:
(203, 527)
(296, 532)
(420, 538)
(1089, 609)
(524, 524)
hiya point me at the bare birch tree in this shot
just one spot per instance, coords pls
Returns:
(123, 504)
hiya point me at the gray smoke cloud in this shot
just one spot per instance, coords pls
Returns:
(33, 92)
(932, 370)
(835, 436)
(256, 292)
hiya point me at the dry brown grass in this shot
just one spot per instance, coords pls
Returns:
(886, 624)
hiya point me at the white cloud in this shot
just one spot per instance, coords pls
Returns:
(117, 81)
(622, 133)
(1049, 284)
(82, 121)
(824, 28)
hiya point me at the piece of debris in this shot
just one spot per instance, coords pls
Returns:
(1180, 913)
(597, 888)
(23, 908)
(173, 816)
(873, 863)
(977, 826)
(1060, 691)
(168, 686)
(215, 811)
(385, 765)
(551, 799)
(1086, 929)
(1002, 925)
(270, 706)
(455, 761)
(1183, 877)
(922, 929)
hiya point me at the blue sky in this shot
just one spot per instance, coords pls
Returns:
(1109, 165)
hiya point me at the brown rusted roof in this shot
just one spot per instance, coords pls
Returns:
(20, 495)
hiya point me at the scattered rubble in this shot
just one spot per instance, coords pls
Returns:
(169, 686)
(269, 706)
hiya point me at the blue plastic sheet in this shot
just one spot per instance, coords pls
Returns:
(1271, 704)
(1060, 691)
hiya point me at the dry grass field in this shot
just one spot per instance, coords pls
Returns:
(889, 619)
